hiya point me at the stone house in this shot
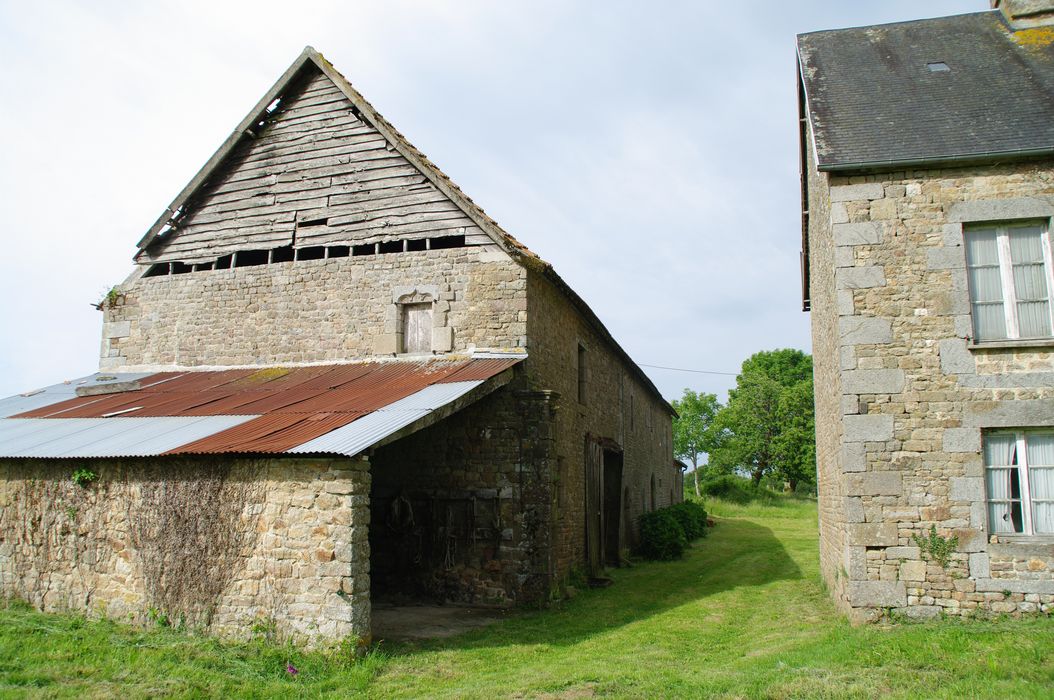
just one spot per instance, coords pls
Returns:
(928, 191)
(330, 380)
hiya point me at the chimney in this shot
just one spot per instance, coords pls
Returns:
(1023, 14)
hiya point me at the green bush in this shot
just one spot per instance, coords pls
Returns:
(692, 517)
(661, 536)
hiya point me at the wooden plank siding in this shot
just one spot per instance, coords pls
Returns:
(315, 160)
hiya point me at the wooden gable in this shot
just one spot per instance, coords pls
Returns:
(312, 170)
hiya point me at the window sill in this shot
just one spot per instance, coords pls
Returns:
(1011, 344)
(1022, 544)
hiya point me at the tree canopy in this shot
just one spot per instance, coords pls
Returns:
(768, 425)
(692, 429)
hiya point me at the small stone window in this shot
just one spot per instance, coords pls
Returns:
(1011, 276)
(1019, 480)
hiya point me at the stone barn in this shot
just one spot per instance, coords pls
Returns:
(331, 379)
(928, 197)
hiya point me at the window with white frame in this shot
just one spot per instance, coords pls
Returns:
(1011, 276)
(1019, 474)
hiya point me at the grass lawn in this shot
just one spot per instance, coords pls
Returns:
(743, 615)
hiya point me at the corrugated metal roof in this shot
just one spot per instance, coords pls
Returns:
(62, 391)
(374, 427)
(105, 437)
(318, 409)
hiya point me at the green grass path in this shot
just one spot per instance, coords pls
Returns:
(744, 615)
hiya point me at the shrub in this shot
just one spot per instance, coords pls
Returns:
(661, 536)
(692, 517)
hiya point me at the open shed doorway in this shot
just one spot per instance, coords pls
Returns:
(604, 493)
(441, 537)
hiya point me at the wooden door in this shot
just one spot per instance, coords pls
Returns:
(594, 459)
(612, 507)
(417, 328)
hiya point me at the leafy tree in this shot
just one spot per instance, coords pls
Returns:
(692, 429)
(796, 442)
(768, 424)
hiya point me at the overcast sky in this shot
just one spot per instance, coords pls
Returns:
(648, 150)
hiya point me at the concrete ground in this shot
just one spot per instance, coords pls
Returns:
(395, 622)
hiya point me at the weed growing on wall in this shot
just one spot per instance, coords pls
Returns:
(188, 529)
(939, 548)
(83, 476)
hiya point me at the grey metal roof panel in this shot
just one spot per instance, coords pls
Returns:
(106, 437)
(873, 101)
(32, 400)
(359, 435)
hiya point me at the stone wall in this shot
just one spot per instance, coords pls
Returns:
(827, 382)
(616, 406)
(917, 392)
(234, 546)
(478, 490)
(315, 310)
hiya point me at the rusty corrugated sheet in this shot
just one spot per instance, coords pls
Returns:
(280, 408)
(277, 432)
(480, 369)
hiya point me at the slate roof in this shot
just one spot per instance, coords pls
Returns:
(872, 101)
